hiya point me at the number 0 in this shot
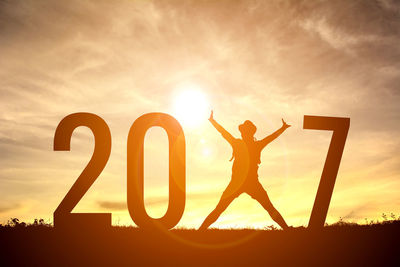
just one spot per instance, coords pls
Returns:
(177, 169)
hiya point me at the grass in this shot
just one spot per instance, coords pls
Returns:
(339, 244)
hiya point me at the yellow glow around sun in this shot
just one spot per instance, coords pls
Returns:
(191, 107)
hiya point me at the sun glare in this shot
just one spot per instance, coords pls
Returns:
(191, 107)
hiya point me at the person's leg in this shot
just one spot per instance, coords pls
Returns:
(227, 197)
(258, 193)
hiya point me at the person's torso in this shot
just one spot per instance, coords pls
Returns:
(246, 160)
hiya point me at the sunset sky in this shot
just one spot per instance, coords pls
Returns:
(255, 60)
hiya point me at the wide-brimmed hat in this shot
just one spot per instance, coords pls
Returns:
(247, 128)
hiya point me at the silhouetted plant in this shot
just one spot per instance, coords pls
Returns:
(271, 228)
(394, 220)
(16, 223)
(39, 222)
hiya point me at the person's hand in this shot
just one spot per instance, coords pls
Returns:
(285, 125)
(211, 116)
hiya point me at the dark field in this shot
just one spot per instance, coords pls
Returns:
(340, 245)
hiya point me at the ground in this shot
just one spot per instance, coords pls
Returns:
(339, 245)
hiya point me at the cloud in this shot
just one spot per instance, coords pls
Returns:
(152, 201)
(112, 205)
(8, 208)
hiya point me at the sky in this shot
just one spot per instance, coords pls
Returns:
(247, 60)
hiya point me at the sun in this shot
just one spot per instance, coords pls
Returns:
(191, 106)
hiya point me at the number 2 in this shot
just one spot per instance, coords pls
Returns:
(340, 128)
(102, 148)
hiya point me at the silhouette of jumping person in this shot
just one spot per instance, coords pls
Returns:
(246, 155)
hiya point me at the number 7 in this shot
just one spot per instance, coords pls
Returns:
(340, 128)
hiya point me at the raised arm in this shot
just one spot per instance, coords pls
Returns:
(225, 133)
(274, 135)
